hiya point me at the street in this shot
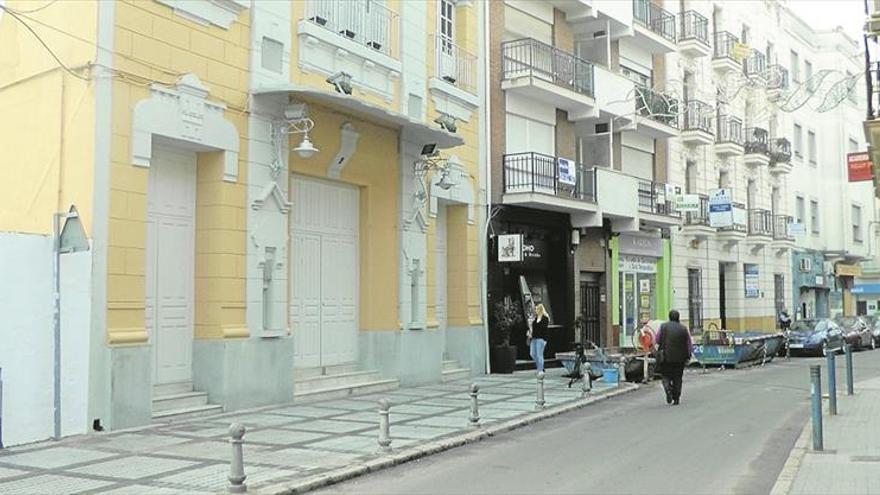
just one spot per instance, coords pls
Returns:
(731, 434)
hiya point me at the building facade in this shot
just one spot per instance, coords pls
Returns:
(282, 201)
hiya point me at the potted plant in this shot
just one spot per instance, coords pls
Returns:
(506, 317)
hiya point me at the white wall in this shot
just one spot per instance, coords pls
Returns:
(26, 355)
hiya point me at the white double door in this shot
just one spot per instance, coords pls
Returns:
(169, 273)
(325, 272)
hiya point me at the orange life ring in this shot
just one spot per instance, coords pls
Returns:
(646, 338)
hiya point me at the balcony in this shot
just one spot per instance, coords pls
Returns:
(544, 73)
(755, 65)
(723, 60)
(777, 81)
(782, 240)
(617, 195)
(657, 113)
(757, 147)
(760, 228)
(696, 223)
(780, 156)
(698, 128)
(657, 209)
(454, 65)
(654, 27)
(736, 232)
(729, 140)
(534, 180)
(358, 37)
(693, 39)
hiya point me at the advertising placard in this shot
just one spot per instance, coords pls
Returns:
(510, 248)
(858, 166)
(687, 203)
(753, 289)
(796, 229)
(720, 208)
(567, 171)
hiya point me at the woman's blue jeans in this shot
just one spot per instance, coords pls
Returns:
(536, 350)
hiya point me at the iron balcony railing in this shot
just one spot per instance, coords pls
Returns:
(740, 221)
(760, 222)
(780, 150)
(724, 45)
(539, 173)
(657, 106)
(652, 199)
(730, 130)
(694, 26)
(777, 77)
(454, 64)
(655, 18)
(757, 141)
(780, 227)
(755, 64)
(530, 57)
(701, 216)
(698, 117)
(362, 21)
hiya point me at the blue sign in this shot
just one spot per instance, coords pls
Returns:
(720, 208)
(866, 289)
(753, 288)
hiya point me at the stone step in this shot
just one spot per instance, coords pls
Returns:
(175, 415)
(454, 374)
(324, 370)
(179, 401)
(343, 391)
(172, 388)
(321, 382)
(450, 365)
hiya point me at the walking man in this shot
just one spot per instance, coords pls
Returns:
(674, 348)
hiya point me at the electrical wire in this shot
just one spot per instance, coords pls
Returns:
(67, 69)
(32, 10)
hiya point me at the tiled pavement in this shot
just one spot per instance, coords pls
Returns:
(282, 444)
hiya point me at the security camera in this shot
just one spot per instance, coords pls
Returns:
(341, 81)
(447, 122)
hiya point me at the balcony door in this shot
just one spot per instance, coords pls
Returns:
(535, 142)
(446, 52)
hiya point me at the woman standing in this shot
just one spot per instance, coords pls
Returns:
(538, 335)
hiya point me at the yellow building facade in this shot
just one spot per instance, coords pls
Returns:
(279, 195)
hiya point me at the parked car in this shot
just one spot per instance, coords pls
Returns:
(856, 332)
(874, 324)
(815, 336)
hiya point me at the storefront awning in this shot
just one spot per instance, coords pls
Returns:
(413, 129)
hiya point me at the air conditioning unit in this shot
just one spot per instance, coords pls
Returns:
(806, 265)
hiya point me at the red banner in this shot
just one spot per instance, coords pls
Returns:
(859, 167)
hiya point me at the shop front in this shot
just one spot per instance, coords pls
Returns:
(531, 264)
(812, 286)
(640, 282)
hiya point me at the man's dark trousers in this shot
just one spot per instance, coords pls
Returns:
(672, 373)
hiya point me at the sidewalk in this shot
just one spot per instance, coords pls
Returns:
(287, 448)
(850, 463)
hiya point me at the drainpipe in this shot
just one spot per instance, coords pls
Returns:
(487, 161)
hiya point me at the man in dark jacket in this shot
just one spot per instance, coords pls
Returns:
(674, 346)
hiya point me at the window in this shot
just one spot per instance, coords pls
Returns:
(814, 216)
(795, 67)
(808, 72)
(690, 177)
(447, 19)
(853, 145)
(640, 78)
(800, 210)
(695, 299)
(798, 141)
(771, 57)
(857, 223)
(744, 39)
(811, 147)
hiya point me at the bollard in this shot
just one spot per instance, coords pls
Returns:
(586, 382)
(849, 369)
(539, 399)
(384, 425)
(832, 384)
(474, 420)
(236, 467)
(816, 403)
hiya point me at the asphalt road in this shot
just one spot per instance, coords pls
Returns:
(731, 434)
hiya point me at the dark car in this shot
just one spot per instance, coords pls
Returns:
(856, 332)
(818, 336)
(874, 324)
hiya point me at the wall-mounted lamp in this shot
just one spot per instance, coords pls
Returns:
(297, 121)
(575, 237)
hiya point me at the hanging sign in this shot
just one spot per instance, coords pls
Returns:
(858, 165)
(567, 171)
(796, 229)
(687, 203)
(510, 248)
(720, 208)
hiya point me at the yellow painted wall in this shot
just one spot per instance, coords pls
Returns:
(151, 43)
(46, 116)
(297, 76)
(374, 168)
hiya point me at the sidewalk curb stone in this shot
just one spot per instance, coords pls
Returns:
(434, 447)
(792, 464)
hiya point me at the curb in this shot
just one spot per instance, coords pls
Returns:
(792, 464)
(433, 447)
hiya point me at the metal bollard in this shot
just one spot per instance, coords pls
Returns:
(236, 467)
(849, 369)
(645, 378)
(384, 425)
(816, 405)
(474, 420)
(832, 384)
(586, 383)
(539, 399)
